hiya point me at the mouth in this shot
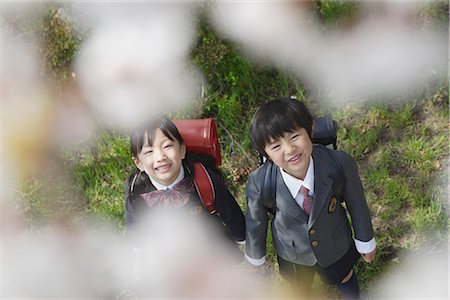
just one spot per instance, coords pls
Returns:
(163, 168)
(295, 159)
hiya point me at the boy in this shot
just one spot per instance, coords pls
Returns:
(310, 229)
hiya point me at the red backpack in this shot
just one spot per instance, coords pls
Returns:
(200, 137)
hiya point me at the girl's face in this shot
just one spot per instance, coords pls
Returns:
(291, 152)
(161, 161)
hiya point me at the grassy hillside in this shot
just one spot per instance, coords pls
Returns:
(401, 146)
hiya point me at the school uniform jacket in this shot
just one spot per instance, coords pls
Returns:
(227, 209)
(326, 235)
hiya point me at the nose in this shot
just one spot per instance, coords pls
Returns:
(159, 155)
(289, 148)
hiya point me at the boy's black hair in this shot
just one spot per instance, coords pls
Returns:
(137, 139)
(277, 117)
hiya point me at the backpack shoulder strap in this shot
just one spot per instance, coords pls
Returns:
(337, 173)
(268, 186)
(204, 187)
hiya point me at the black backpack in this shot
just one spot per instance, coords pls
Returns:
(325, 134)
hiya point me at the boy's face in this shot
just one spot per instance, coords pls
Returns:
(291, 152)
(161, 161)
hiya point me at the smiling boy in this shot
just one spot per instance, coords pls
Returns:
(310, 230)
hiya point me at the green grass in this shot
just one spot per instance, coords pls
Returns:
(101, 172)
(335, 13)
(403, 116)
(60, 43)
(429, 217)
(358, 138)
(51, 197)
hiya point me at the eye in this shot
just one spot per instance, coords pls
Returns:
(275, 147)
(149, 151)
(295, 136)
(168, 146)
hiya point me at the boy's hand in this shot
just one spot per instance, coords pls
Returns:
(264, 270)
(369, 257)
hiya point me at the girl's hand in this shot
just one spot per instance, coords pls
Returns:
(368, 257)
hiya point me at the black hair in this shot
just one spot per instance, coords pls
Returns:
(137, 139)
(277, 117)
(138, 181)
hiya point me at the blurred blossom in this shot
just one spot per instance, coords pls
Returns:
(383, 54)
(20, 11)
(11, 223)
(73, 125)
(419, 275)
(63, 261)
(182, 257)
(282, 32)
(27, 111)
(378, 59)
(134, 67)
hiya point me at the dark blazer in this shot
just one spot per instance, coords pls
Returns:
(227, 209)
(326, 235)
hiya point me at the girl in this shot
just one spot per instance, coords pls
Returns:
(164, 180)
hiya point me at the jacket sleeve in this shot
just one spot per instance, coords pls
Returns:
(354, 198)
(228, 209)
(134, 209)
(134, 205)
(130, 214)
(256, 220)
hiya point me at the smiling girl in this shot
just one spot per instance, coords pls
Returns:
(164, 180)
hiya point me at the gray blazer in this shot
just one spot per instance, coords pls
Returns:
(323, 237)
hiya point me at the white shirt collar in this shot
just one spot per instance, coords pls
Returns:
(160, 186)
(293, 184)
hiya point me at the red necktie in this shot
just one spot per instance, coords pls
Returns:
(306, 200)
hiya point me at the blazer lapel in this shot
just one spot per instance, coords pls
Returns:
(286, 202)
(322, 185)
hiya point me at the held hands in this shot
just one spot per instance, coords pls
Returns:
(368, 257)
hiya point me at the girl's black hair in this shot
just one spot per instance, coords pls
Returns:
(138, 181)
(277, 117)
(137, 139)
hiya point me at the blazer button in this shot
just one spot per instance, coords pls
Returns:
(315, 243)
(312, 231)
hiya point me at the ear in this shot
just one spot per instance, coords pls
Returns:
(138, 164)
(183, 151)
